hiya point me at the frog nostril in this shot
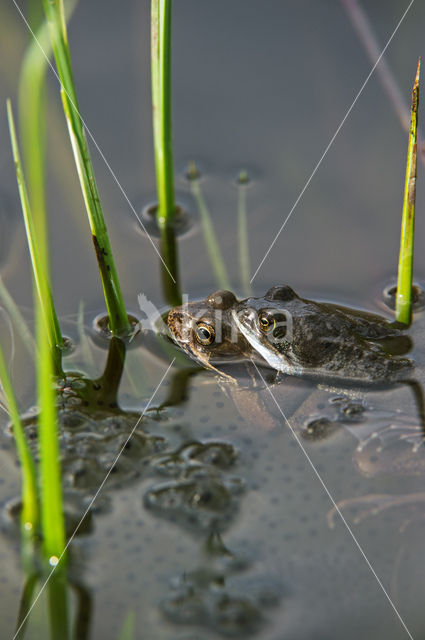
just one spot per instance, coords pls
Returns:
(248, 317)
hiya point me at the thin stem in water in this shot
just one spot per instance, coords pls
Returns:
(169, 253)
(30, 510)
(213, 248)
(243, 240)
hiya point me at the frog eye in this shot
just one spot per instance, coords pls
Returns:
(204, 333)
(266, 321)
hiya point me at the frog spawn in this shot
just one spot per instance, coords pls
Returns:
(202, 495)
(214, 596)
(201, 598)
(92, 436)
(97, 442)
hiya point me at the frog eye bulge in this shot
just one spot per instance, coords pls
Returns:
(204, 333)
(266, 321)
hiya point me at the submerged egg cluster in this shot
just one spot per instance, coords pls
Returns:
(202, 495)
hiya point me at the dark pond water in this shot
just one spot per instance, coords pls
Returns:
(213, 525)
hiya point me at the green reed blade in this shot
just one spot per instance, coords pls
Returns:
(32, 128)
(49, 619)
(213, 248)
(243, 240)
(58, 607)
(128, 628)
(52, 519)
(161, 109)
(30, 510)
(26, 600)
(403, 310)
(37, 253)
(118, 319)
(48, 362)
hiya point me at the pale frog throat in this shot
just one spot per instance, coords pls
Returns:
(275, 360)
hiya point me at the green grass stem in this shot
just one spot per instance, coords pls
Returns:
(118, 319)
(403, 310)
(213, 248)
(58, 607)
(30, 509)
(161, 109)
(169, 254)
(49, 619)
(243, 240)
(52, 519)
(128, 629)
(27, 597)
(32, 127)
(48, 339)
(37, 253)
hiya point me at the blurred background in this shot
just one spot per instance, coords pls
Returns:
(256, 88)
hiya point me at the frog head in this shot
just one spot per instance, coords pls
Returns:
(206, 331)
(267, 323)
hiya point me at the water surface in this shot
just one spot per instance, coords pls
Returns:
(261, 88)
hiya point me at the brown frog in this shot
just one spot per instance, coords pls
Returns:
(206, 332)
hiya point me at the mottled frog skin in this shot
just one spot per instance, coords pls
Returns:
(306, 338)
(205, 330)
